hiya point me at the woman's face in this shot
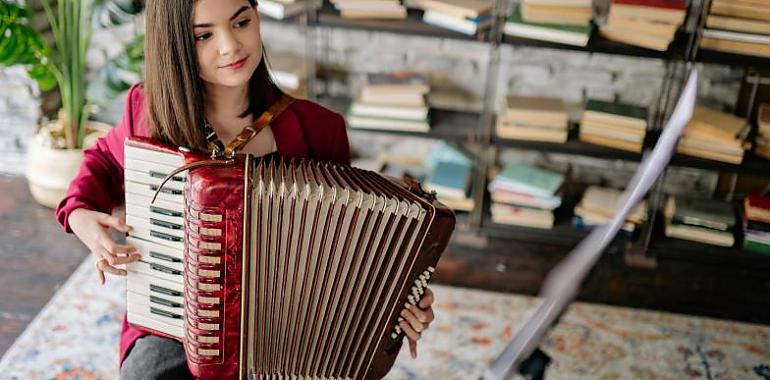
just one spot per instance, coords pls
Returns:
(227, 41)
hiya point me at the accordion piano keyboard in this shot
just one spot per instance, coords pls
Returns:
(155, 287)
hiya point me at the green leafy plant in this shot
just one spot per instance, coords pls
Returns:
(20, 44)
(71, 26)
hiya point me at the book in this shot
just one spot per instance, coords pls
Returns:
(523, 178)
(561, 3)
(737, 36)
(458, 8)
(709, 154)
(531, 110)
(757, 208)
(616, 113)
(701, 235)
(450, 180)
(460, 25)
(531, 133)
(756, 247)
(280, 10)
(604, 201)
(447, 153)
(711, 124)
(733, 9)
(392, 112)
(609, 142)
(525, 200)
(395, 14)
(621, 34)
(705, 213)
(631, 136)
(738, 47)
(555, 14)
(669, 11)
(361, 122)
(649, 27)
(737, 24)
(397, 82)
(576, 35)
(521, 216)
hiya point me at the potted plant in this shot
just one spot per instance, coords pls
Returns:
(56, 151)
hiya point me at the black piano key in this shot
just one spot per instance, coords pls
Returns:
(161, 235)
(164, 313)
(162, 290)
(163, 211)
(165, 269)
(160, 175)
(164, 302)
(163, 257)
(165, 224)
(166, 190)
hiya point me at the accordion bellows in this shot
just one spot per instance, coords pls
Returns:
(289, 268)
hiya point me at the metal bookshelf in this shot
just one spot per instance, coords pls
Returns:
(478, 128)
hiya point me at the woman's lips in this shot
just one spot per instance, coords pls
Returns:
(237, 64)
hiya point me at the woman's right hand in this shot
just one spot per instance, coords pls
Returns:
(92, 227)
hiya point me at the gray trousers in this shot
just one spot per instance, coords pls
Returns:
(155, 358)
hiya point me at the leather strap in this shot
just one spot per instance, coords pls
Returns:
(250, 131)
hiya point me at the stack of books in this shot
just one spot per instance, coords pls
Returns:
(370, 9)
(450, 176)
(525, 195)
(534, 118)
(756, 224)
(599, 205)
(558, 12)
(706, 221)
(281, 9)
(561, 21)
(615, 125)
(763, 138)
(738, 26)
(289, 73)
(391, 101)
(648, 23)
(713, 135)
(463, 16)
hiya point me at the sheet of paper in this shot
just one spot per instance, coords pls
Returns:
(563, 282)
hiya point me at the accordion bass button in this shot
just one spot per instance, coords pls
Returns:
(431, 269)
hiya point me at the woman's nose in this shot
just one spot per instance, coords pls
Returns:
(228, 44)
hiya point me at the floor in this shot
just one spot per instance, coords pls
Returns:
(38, 257)
(31, 270)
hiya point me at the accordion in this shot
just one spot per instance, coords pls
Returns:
(273, 268)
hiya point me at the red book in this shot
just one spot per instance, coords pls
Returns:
(666, 4)
(757, 208)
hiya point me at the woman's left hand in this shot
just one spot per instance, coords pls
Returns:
(416, 320)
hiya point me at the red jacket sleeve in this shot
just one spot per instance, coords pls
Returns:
(340, 146)
(98, 185)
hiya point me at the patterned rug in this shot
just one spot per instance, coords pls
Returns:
(76, 337)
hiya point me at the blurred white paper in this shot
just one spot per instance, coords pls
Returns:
(563, 282)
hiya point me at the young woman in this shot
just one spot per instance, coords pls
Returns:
(205, 70)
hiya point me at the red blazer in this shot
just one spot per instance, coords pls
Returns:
(305, 129)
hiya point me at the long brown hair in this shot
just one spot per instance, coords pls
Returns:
(173, 89)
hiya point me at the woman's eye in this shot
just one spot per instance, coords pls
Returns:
(243, 23)
(202, 37)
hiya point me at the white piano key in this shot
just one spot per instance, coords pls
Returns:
(140, 319)
(145, 190)
(146, 202)
(146, 178)
(133, 155)
(147, 247)
(156, 170)
(154, 270)
(146, 213)
(147, 285)
(156, 234)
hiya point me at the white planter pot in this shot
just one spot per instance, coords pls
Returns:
(50, 171)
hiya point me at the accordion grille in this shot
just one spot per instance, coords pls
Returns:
(331, 251)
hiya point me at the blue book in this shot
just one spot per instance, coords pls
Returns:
(527, 179)
(447, 153)
(450, 180)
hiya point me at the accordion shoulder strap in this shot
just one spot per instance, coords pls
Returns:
(263, 121)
